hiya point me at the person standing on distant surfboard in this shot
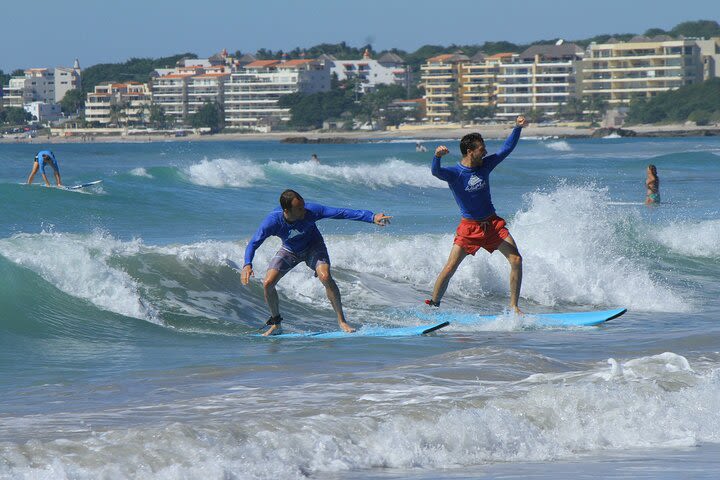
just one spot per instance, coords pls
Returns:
(294, 223)
(480, 227)
(43, 158)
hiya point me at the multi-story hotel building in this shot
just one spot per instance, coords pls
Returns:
(478, 80)
(389, 69)
(542, 78)
(170, 92)
(618, 72)
(183, 90)
(253, 92)
(48, 85)
(207, 87)
(440, 76)
(118, 103)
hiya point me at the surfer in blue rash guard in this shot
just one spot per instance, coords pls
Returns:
(42, 159)
(480, 227)
(294, 222)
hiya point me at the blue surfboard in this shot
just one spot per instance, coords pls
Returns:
(570, 319)
(368, 332)
(82, 185)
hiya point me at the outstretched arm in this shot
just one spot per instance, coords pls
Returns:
(436, 169)
(511, 142)
(323, 211)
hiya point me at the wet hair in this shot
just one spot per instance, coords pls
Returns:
(653, 169)
(287, 197)
(469, 142)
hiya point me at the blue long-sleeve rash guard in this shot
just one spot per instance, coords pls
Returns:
(42, 163)
(471, 186)
(299, 235)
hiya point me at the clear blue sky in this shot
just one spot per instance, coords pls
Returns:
(47, 33)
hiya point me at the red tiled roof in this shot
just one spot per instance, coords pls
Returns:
(293, 63)
(174, 76)
(262, 63)
(441, 58)
(498, 56)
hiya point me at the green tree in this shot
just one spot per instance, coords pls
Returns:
(535, 116)
(475, 113)
(135, 69)
(157, 117)
(596, 109)
(699, 28)
(117, 114)
(700, 117)
(15, 116)
(573, 109)
(210, 115)
(72, 102)
(4, 78)
(677, 105)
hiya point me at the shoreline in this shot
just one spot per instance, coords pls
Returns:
(421, 133)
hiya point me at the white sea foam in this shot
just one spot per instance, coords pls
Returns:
(225, 172)
(392, 172)
(559, 146)
(79, 266)
(648, 402)
(574, 252)
(693, 239)
(140, 172)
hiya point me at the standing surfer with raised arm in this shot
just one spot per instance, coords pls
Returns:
(294, 223)
(480, 227)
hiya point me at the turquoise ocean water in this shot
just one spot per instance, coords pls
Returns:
(126, 347)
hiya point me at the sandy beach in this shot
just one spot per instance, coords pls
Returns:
(424, 132)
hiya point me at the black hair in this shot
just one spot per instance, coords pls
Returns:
(653, 169)
(470, 142)
(287, 197)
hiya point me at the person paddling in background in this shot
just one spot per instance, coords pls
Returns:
(294, 223)
(653, 186)
(480, 227)
(42, 159)
(314, 159)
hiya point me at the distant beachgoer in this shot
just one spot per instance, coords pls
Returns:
(294, 223)
(43, 158)
(314, 158)
(653, 186)
(419, 147)
(480, 227)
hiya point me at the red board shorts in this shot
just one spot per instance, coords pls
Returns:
(472, 235)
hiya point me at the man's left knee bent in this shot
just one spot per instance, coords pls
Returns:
(515, 260)
(324, 277)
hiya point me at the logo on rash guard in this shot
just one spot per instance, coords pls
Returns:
(294, 233)
(475, 183)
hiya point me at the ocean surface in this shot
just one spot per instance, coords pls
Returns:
(127, 347)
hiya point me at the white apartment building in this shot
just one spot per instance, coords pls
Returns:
(542, 78)
(618, 72)
(170, 92)
(389, 69)
(440, 76)
(253, 92)
(43, 112)
(67, 79)
(208, 87)
(119, 104)
(48, 85)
